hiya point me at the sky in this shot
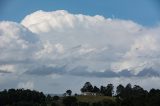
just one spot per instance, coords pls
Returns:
(53, 45)
(145, 12)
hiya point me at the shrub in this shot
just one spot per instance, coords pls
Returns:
(97, 104)
(83, 104)
(55, 98)
(70, 101)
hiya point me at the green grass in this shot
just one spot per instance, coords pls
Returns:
(92, 99)
(88, 99)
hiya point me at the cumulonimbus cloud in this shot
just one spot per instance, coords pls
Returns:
(59, 38)
(49, 45)
(96, 42)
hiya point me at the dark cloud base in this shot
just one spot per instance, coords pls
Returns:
(82, 71)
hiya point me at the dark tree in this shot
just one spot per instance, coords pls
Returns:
(128, 90)
(109, 90)
(87, 87)
(102, 90)
(138, 91)
(154, 97)
(48, 98)
(120, 90)
(69, 92)
(21, 96)
(96, 89)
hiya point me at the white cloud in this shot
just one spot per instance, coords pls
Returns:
(75, 40)
(17, 46)
(144, 53)
(94, 41)
(7, 68)
(17, 42)
(61, 39)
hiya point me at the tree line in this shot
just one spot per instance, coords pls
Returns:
(123, 96)
(106, 91)
(21, 97)
(126, 95)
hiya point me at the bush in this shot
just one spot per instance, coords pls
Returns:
(97, 104)
(55, 98)
(53, 104)
(109, 103)
(83, 104)
(24, 103)
(70, 101)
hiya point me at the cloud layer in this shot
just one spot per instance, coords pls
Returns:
(59, 43)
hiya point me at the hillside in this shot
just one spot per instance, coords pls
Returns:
(86, 100)
(92, 99)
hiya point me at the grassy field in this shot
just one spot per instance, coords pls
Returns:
(92, 99)
(87, 99)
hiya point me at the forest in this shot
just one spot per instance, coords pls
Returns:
(90, 96)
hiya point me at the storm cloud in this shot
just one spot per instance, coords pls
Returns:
(59, 43)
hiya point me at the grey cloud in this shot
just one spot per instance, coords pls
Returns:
(125, 73)
(110, 74)
(4, 71)
(17, 62)
(84, 72)
(44, 70)
(148, 72)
